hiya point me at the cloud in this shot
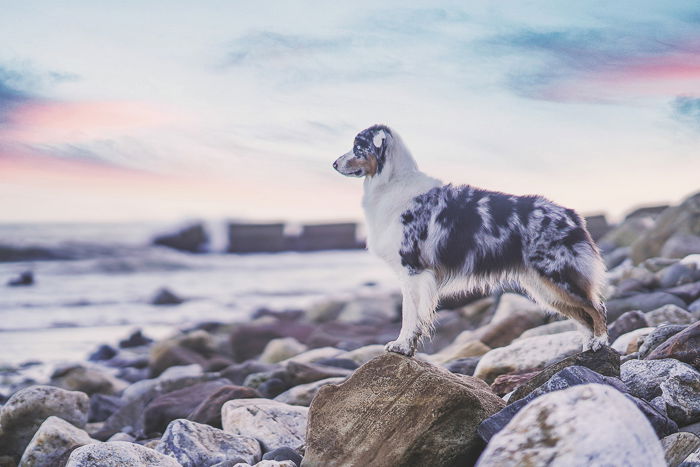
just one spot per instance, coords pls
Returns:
(687, 110)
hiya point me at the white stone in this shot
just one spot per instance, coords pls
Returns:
(627, 343)
(364, 354)
(281, 349)
(304, 393)
(53, 438)
(586, 425)
(119, 454)
(314, 355)
(272, 423)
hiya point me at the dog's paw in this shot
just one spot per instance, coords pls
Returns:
(596, 343)
(402, 347)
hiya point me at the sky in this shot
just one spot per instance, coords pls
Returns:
(166, 110)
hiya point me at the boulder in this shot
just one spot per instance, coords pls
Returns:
(642, 301)
(281, 349)
(196, 445)
(378, 416)
(605, 362)
(573, 376)
(26, 410)
(628, 321)
(52, 440)
(102, 407)
(165, 296)
(680, 245)
(177, 404)
(686, 292)
(87, 379)
(678, 274)
(118, 454)
(209, 410)
(674, 382)
(683, 346)
(304, 393)
(248, 340)
(525, 354)
(669, 314)
(627, 232)
(503, 384)
(283, 454)
(272, 423)
(629, 343)
(566, 428)
(189, 349)
(658, 337)
(238, 372)
(678, 220)
(370, 310)
(678, 446)
(192, 239)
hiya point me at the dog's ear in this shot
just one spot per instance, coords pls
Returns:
(379, 138)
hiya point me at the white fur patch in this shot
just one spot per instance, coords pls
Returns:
(379, 138)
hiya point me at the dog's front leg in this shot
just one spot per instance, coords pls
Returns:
(417, 310)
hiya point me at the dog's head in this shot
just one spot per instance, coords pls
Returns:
(368, 154)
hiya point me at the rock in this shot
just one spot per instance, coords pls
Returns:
(272, 423)
(605, 362)
(87, 379)
(629, 343)
(686, 292)
(680, 245)
(135, 339)
(103, 352)
(694, 308)
(675, 382)
(573, 376)
(23, 279)
(460, 350)
(192, 239)
(364, 354)
(503, 384)
(628, 321)
(193, 348)
(378, 417)
(627, 232)
(642, 302)
(102, 407)
(304, 393)
(348, 336)
(514, 315)
(597, 226)
(209, 410)
(283, 454)
(669, 314)
(525, 354)
(194, 445)
(677, 274)
(26, 410)
(314, 355)
(327, 310)
(265, 463)
(248, 340)
(370, 310)
(339, 362)
(118, 454)
(177, 404)
(281, 349)
(683, 219)
(550, 328)
(165, 296)
(463, 366)
(693, 460)
(678, 446)
(238, 372)
(565, 428)
(658, 337)
(684, 346)
(53, 438)
(122, 437)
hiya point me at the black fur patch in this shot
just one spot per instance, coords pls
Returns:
(461, 220)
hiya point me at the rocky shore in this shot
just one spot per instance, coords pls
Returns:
(501, 383)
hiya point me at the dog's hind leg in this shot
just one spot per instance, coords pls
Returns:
(420, 299)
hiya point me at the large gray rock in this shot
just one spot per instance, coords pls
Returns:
(525, 354)
(196, 445)
(568, 428)
(27, 409)
(678, 446)
(658, 337)
(674, 382)
(272, 423)
(398, 411)
(52, 440)
(683, 346)
(118, 454)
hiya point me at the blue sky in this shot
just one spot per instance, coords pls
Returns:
(164, 110)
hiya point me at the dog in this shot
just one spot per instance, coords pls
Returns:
(443, 240)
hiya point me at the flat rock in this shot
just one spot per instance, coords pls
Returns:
(605, 362)
(674, 382)
(304, 393)
(272, 423)
(118, 454)
(642, 301)
(533, 352)
(52, 440)
(565, 428)
(26, 410)
(378, 416)
(678, 446)
(669, 314)
(683, 346)
(194, 445)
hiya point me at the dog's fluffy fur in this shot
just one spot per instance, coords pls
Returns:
(443, 240)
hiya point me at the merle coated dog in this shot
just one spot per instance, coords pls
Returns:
(443, 240)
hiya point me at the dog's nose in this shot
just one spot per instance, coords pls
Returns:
(335, 165)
